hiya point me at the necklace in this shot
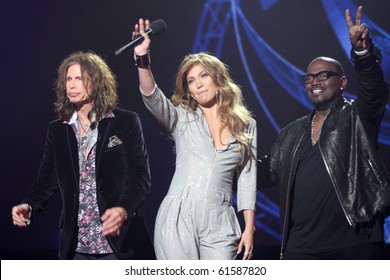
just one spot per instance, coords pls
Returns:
(312, 128)
(311, 132)
(85, 128)
(84, 140)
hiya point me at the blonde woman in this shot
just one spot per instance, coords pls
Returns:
(215, 139)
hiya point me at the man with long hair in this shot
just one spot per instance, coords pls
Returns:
(96, 155)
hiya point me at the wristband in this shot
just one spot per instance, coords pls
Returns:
(142, 61)
(361, 53)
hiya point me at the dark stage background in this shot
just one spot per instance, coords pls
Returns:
(37, 35)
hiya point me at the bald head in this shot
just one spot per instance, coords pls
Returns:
(337, 65)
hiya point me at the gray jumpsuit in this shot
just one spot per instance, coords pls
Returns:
(196, 219)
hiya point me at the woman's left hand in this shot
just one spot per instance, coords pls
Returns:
(246, 244)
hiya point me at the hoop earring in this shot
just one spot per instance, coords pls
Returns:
(218, 96)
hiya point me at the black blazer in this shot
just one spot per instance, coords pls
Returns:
(122, 179)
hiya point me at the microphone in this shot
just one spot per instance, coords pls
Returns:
(156, 27)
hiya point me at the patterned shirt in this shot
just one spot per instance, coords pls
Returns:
(90, 237)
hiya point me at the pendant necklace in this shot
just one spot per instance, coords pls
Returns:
(84, 140)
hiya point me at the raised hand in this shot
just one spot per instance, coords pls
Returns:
(139, 29)
(358, 32)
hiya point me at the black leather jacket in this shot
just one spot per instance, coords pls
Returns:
(348, 145)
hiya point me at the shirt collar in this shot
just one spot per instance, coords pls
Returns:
(73, 118)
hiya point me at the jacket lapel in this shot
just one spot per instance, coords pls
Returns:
(73, 151)
(104, 129)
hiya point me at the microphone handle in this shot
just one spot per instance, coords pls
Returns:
(137, 40)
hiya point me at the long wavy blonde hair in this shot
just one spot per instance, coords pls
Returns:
(231, 109)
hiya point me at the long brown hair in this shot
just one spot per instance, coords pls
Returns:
(104, 87)
(231, 110)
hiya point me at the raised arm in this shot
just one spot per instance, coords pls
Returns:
(145, 74)
(373, 90)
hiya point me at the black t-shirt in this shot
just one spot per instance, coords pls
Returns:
(318, 222)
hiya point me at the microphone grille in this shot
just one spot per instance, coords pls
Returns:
(158, 26)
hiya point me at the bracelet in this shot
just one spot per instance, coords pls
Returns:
(142, 61)
(126, 217)
(361, 53)
(28, 222)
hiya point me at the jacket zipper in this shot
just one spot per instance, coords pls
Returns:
(334, 185)
(288, 200)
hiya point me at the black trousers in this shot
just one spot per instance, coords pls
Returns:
(371, 251)
(80, 256)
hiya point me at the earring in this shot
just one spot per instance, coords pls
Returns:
(341, 88)
(218, 96)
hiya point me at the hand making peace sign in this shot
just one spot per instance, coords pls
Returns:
(358, 33)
